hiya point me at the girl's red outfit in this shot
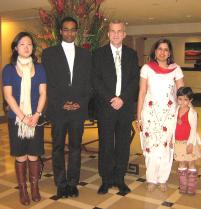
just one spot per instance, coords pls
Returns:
(183, 127)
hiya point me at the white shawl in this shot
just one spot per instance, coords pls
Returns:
(24, 65)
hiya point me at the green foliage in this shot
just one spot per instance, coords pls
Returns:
(92, 25)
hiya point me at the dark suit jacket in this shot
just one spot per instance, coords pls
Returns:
(60, 89)
(104, 80)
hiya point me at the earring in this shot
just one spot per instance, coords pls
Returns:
(168, 60)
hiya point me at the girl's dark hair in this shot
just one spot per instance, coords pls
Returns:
(14, 44)
(152, 55)
(185, 91)
(68, 19)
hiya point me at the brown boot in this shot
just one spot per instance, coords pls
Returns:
(182, 181)
(34, 174)
(21, 171)
(192, 182)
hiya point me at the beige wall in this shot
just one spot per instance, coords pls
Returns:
(10, 30)
(168, 29)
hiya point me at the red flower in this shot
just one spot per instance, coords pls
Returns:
(170, 102)
(46, 18)
(147, 149)
(146, 134)
(99, 1)
(150, 103)
(80, 10)
(99, 15)
(164, 128)
(59, 6)
(86, 46)
(165, 144)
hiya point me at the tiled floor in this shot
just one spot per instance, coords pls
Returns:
(139, 198)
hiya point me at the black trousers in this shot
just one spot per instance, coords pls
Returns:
(75, 131)
(114, 148)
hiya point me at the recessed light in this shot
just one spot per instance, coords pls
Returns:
(151, 18)
(188, 16)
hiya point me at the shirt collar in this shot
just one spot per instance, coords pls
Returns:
(114, 49)
(66, 45)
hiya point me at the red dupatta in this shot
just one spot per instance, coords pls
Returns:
(154, 66)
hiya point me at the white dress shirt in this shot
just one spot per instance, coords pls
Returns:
(69, 50)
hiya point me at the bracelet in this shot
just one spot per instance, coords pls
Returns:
(23, 118)
(39, 113)
(138, 121)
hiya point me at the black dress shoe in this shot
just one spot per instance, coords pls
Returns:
(123, 189)
(62, 192)
(103, 189)
(72, 191)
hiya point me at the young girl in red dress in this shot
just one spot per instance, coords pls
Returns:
(186, 142)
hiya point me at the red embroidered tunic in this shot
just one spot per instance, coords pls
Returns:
(183, 127)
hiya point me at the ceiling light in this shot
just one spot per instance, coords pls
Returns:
(151, 18)
(188, 16)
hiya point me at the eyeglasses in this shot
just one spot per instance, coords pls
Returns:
(73, 30)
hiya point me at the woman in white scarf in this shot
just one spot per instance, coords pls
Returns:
(24, 86)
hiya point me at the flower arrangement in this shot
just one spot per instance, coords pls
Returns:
(92, 23)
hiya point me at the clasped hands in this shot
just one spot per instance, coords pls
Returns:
(70, 106)
(32, 120)
(116, 103)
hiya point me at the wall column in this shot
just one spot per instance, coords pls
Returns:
(1, 98)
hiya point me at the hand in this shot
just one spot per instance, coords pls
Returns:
(27, 121)
(75, 106)
(69, 106)
(116, 103)
(34, 120)
(189, 149)
(139, 125)
(171, 144)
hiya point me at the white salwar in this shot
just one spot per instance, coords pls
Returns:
(158, 116)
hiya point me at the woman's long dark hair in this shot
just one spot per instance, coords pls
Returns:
(14, 44)
(152, 55)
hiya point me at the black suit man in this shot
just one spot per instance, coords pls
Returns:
(115, 81)
(68, 78)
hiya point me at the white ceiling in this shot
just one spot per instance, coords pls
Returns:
(135, 12)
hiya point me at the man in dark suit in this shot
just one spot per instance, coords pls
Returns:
(115, 81)
(68, 78)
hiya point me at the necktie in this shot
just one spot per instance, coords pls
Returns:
(118, 73)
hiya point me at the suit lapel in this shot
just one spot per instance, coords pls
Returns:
(123, 58)
(109, 58)
(75, 65)
(63, 58)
